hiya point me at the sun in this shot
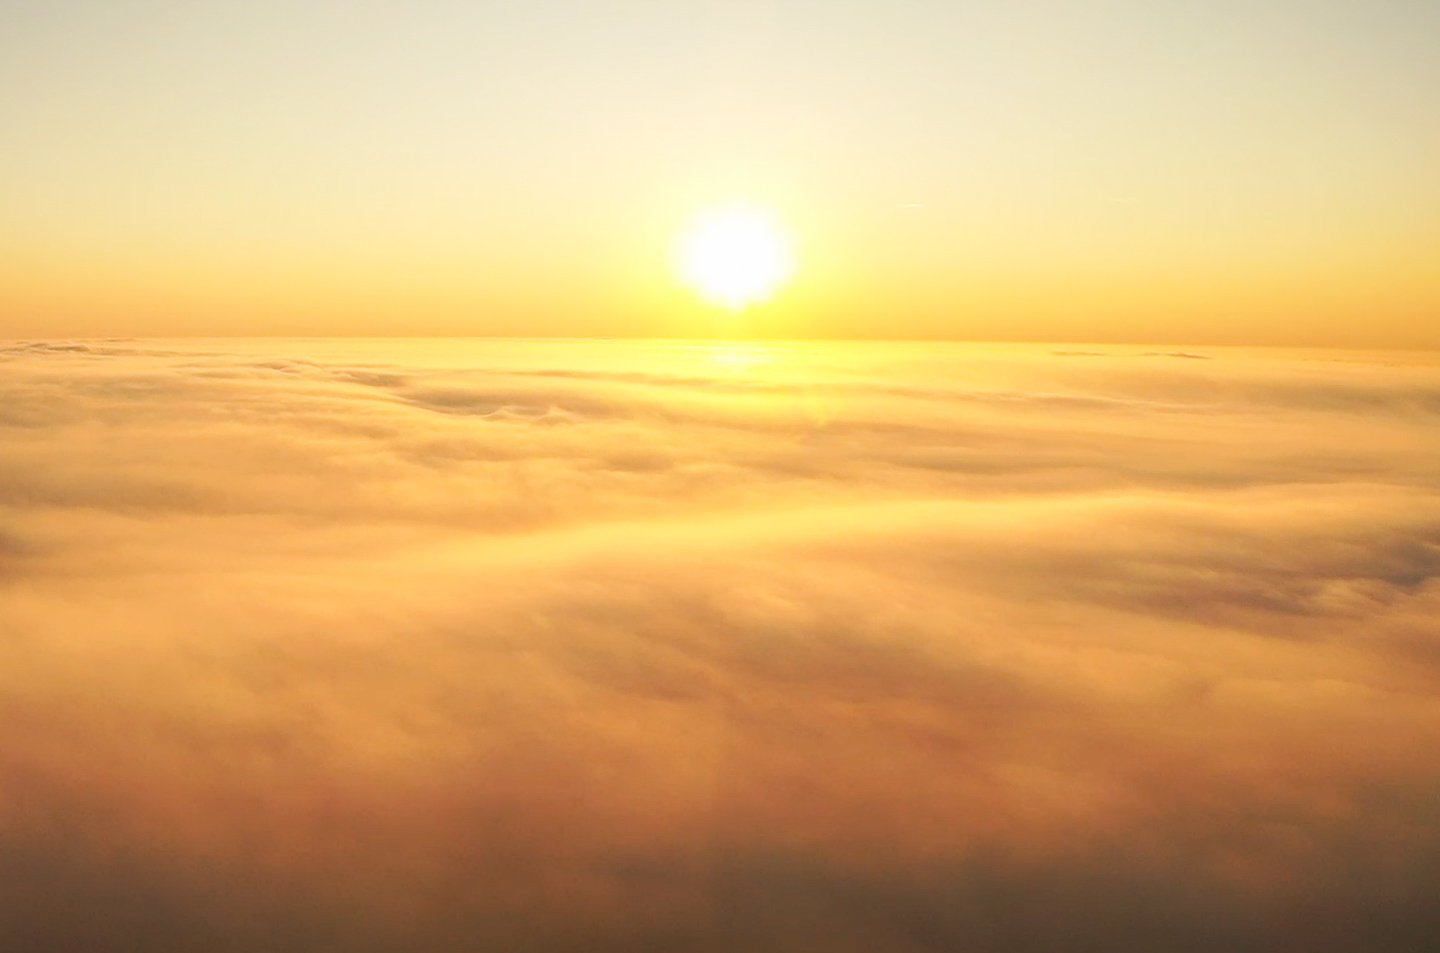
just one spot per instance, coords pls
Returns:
(735, 256)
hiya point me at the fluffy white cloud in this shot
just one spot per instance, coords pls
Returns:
(606, 645)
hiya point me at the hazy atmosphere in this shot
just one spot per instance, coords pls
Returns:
(641, 646)
(1220, 172)
(720, 476)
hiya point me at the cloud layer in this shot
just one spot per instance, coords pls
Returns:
(553, 646)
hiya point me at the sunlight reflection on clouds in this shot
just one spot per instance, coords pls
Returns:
(615, 645)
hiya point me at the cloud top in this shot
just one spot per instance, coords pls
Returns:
(372, 645)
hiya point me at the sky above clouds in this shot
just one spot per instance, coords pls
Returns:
(629, 645)
(1184, 172)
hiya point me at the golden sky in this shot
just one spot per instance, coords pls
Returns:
(1220, 171)
(1123, 170)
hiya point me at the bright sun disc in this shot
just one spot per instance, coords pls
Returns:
(735, 256)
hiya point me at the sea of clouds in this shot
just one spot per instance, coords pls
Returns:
(599, 646)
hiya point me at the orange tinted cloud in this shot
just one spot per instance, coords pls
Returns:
(503, 645)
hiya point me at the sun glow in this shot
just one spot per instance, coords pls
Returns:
(735, 256)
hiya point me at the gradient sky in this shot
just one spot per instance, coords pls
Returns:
(1220, 171)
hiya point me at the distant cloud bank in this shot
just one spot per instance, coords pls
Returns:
(561, 646)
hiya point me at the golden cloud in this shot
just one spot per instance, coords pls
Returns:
(609, 645)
